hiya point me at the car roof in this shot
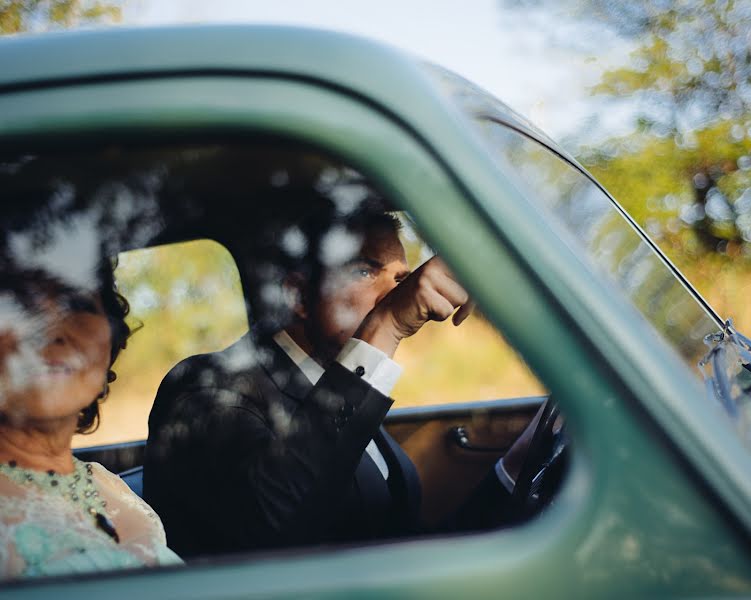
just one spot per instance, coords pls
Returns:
(362, 66)
(366, 68)
(68, 54)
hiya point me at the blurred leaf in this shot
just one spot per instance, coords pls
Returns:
(17, 16)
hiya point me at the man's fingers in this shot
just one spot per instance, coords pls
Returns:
(450, 289)
(439, 308)
(444, 283)
(464, 311)
(430, 293)
(442, 279)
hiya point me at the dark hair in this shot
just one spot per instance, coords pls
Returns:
(116, 308)
(265, 260)
(30, 285)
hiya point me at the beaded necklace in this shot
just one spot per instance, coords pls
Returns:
(77, 487)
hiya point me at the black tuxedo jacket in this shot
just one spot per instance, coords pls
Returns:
(243, 453)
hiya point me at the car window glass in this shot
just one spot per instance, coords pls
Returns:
(609, 242)
(174, 291)
(141, 197)
(592, 225)
(218, 250)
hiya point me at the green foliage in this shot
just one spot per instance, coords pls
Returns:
(692, 191)
(684, 173)
(18, 16)
(185, 299)
(692, 60)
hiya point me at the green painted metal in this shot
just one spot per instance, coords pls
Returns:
(655, 470)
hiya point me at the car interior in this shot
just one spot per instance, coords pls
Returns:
(174, 219)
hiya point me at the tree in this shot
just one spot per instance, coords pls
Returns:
(693, 62)
(685, 171)
(692, 76)
(18, 16)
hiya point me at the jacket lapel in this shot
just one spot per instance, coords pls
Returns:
(377, 496)
(404, 481)
(283, 371)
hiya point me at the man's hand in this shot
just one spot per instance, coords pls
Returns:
(429, 294)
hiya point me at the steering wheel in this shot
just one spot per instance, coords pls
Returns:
(543, 466)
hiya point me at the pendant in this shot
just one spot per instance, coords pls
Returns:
(106, 525)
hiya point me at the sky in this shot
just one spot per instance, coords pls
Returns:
(539, 63)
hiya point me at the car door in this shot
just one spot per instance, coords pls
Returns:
(634, 513)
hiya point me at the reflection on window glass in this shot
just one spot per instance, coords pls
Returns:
(174, 290)
(251, 311)
(595, 228)
(590, 221)
(594, 225)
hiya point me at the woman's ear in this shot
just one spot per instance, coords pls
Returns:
(292, 288)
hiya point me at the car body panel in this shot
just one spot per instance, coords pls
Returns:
(657, 500)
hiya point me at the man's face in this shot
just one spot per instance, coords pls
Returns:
(350, 291)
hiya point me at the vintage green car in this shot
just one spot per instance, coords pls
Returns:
(142, 139)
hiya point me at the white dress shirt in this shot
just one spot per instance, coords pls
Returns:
(374, 366)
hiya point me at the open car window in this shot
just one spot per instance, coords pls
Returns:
(209, 245)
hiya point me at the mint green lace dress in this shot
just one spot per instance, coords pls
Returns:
(42, 533)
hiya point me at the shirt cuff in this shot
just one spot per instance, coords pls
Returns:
(374, 366)
(504, 477)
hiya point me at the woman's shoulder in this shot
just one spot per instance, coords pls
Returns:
(103, 474)
(128, 508)
(110, 484)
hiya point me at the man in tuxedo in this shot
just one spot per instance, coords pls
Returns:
(277, 440)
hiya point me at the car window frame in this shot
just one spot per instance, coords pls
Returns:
(456, 195)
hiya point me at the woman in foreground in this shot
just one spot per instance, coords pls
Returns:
(59, 515)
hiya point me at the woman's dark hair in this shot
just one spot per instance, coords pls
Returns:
(116, 308)
(29, 286)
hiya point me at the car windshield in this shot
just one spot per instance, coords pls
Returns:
(599, 231)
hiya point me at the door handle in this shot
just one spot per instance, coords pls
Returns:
(460, 437)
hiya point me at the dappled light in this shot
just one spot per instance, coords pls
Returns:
(682, 172)
(187, 298)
